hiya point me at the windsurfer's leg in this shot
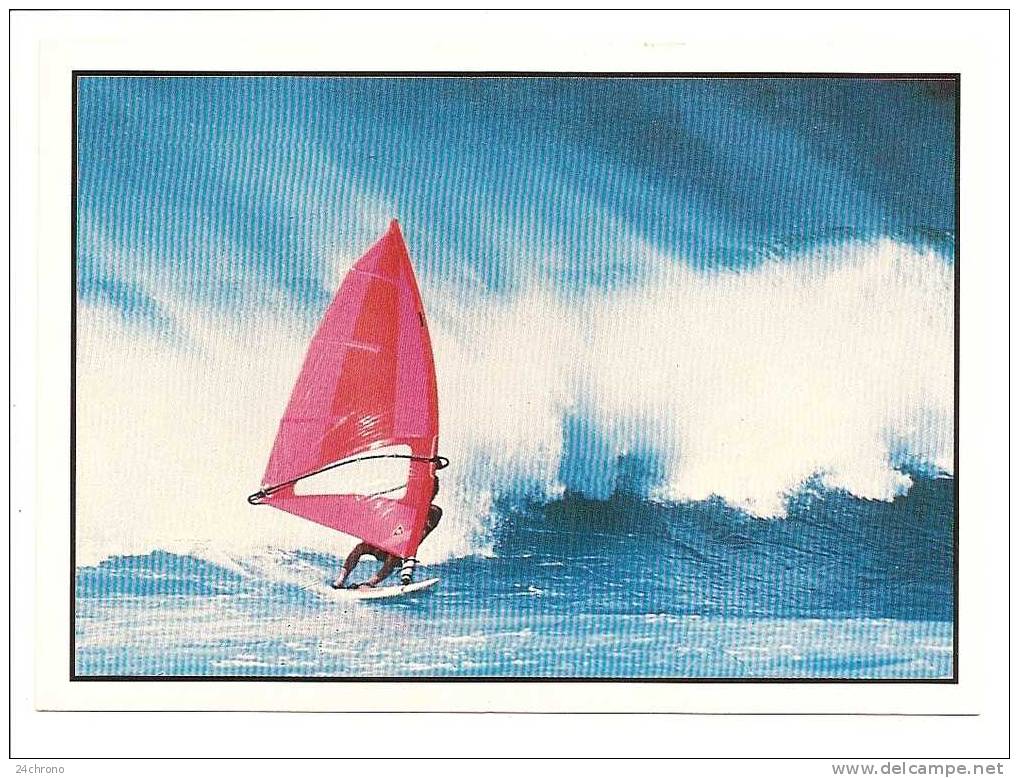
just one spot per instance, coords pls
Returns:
(388, 566)
(341, 579)
(407, 570)
(348, 565)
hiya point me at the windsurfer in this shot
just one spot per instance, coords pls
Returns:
(389, 562)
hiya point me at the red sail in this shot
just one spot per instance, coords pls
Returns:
(368, 382)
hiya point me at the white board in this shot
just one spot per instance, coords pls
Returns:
(385, 592)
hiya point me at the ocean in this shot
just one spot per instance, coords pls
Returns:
(620, 588)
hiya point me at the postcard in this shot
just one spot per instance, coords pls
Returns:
(455, 389)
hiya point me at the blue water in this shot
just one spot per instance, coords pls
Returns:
(624, 588)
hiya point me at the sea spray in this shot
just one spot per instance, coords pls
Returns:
(742, 385)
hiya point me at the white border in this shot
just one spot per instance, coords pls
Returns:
(46, 47)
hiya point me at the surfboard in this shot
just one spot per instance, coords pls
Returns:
(385, 592)
(366, 388)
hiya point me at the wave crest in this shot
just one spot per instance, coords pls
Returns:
(836, 364)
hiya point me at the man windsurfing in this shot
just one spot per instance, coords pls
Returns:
(389, 562)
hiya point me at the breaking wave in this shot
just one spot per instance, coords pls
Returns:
(832, 367)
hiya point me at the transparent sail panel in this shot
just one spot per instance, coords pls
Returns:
(382, 476)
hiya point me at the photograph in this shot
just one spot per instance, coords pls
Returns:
(435, 376)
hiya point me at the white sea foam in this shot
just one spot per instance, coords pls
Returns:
(837, 364)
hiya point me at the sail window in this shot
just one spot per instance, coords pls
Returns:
(384, 475)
